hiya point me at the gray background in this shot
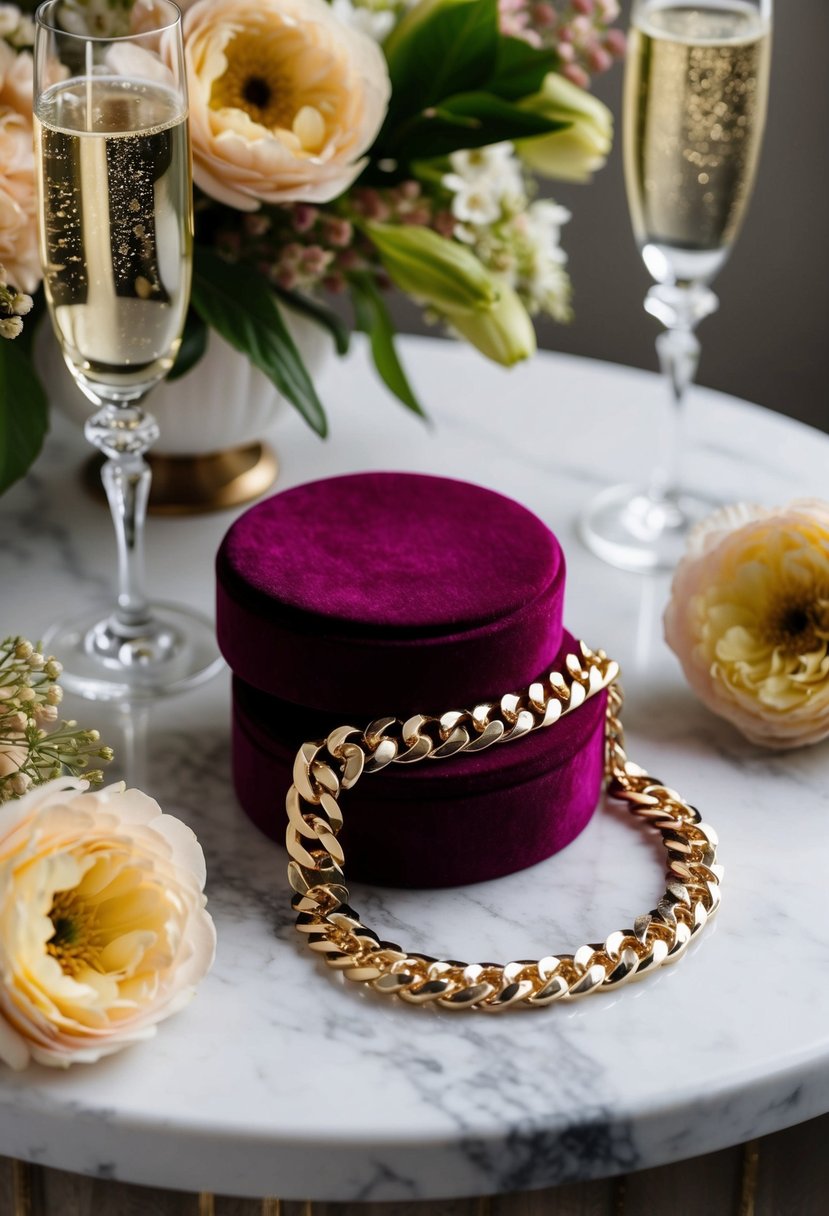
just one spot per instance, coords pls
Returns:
(769, 342)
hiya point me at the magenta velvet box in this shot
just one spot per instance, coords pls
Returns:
(384, 594)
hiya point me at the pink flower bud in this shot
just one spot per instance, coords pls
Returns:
(257, 224)
(544, 16)
(305, 216)
(292, 253)
(598, 59)
(615, 43)
(338, 232)
(315, 259)
(444, 223)
(577, 75)
(418, 217)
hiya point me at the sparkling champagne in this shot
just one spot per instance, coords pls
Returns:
(116, 227)
(695, 103)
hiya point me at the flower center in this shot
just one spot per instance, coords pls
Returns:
(76, 942)
(799, 627)
(261, 79)
(254, 82)
(257, 92)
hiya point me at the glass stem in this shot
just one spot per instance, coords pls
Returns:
(680, 309)
(135, 721)
(678, 350)
(124, 433)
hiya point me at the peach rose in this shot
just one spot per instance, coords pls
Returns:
(16, 80)
(18, 190)
(103, 928)
(749, 620)
(284, 100)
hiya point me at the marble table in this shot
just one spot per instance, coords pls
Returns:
(279, 1079)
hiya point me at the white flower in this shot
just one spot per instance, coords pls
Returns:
(474, 202)
(375, 21)
(485, 183)
(749, 620)
(103, 927)
(490, 161)
(545, 220)
(10, 327)
(101, 18)
(9, 19)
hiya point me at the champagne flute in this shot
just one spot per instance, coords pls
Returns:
(116, 238)
(696, 89)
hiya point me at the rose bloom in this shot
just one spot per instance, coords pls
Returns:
(284, 100)
(18, 191)
(749, 620)
(103, 927)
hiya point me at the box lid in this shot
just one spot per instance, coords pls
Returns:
(378, 593)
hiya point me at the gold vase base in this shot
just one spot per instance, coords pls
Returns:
(194, 485)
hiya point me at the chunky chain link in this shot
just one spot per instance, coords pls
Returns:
(322, 770)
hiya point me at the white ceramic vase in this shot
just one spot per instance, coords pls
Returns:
(210, 453)
(223, 403)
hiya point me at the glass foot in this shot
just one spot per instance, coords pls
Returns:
(626, 527)
(103, 661)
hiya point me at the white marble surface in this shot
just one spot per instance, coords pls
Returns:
(279, 1079)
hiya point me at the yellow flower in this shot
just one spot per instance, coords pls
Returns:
(749, 620)
(103, 927)
(284, 100)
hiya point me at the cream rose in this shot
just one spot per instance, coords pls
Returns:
(18, 191)
(284, 100)
(103, 927)
(749, 620)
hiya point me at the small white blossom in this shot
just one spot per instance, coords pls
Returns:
(24, 35)
(102, 18)
(10, 327)
(491, 161)
(9, 19)
(485, 183)
(376, 18)
(22, 304)
(545, 220)
(475, 202)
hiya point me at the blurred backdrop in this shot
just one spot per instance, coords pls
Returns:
(769, 343)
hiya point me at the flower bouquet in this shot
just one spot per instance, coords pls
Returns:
(341, 150)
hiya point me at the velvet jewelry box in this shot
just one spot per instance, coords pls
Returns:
(382, 594)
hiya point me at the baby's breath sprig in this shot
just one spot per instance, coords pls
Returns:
(14, 305)
(33, 747)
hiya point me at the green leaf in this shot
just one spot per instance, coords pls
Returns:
(23, 414)
(235, 301)
(193, 346)
(472, 120)
(450, 50)
(373, 319)
(520, 69)
(316, 311)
